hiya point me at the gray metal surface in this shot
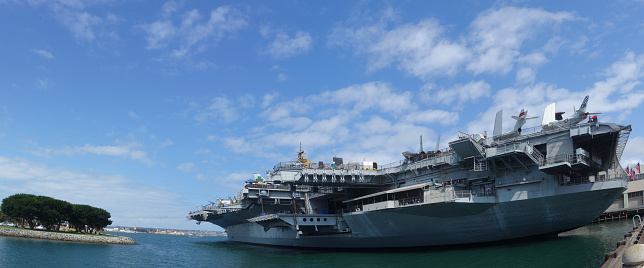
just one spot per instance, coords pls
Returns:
(542, 182)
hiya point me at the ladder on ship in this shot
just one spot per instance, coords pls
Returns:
(480, 164)
(534, 154)
(622, 139)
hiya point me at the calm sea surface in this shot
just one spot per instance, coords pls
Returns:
(583, 247)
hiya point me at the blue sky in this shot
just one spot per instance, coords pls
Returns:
(150, 108)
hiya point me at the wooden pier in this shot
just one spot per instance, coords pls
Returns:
(614, 259)
(615, 215)
(618, 215)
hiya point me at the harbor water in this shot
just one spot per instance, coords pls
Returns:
(583, 247)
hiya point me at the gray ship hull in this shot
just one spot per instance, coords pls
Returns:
(476, 191)
(449, 223)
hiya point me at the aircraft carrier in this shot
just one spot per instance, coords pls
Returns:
(521, 183)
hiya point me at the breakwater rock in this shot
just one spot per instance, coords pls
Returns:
(94, 239)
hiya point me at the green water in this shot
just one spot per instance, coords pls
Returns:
(583, 247)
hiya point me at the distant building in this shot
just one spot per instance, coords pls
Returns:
(631, 199)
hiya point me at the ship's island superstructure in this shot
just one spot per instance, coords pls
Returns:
(524, 183)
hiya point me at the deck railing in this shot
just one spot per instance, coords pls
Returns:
(568, 158)
(267, 186)
(462, 194)
(445, 153)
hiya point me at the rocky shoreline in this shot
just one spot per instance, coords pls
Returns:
(93, 239)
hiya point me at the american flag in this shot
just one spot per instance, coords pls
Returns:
(638, 167)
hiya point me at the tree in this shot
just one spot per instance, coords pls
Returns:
(3, 217)
(79, 217)
(52, 212)
(99, 219)
(22, 206)
(88, 219)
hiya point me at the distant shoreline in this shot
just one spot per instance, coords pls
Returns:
(163, 231)
(78, 238)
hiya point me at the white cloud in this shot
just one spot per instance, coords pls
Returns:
(220, 108)
(533, 98)
(284, 46)
(620, 92)
(158, 33)
(324, 132)
(375, 125)
(426, 49)
(498, 34)
(420, 49)
(530, 64)
(622, 89)
(122, 150)
(534, 59)
(268, 99)
(246, 101)
(81, 24)
(202, 151)
(42, 83)
(372, 95)
(432, 116)
(458, 94)
(170, 7)
(335, 119)
(579, 46)
(166, 143)
(43, 53)
(386, 144)
(234, 180)
(339, 106)
(133, 115)
(553, 44)
(188, 166)
(239, 145)
(295, 123)
(526, 75)
(633, 153)
(193, 34)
